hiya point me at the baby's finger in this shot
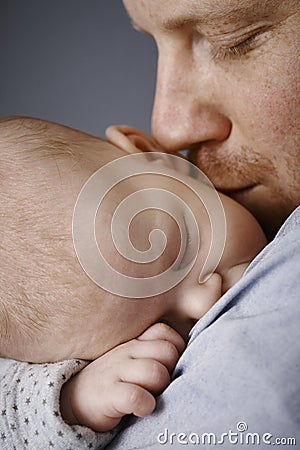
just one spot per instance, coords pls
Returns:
(147, 373)
(162, 351)
(162, 331)
(127, 398)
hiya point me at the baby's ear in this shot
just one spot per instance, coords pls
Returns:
(131, 140)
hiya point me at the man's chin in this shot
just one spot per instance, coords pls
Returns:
(269, 209)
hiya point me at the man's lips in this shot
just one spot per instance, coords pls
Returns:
(234, 179)
(229, 177)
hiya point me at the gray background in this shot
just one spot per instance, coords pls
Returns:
(77, 62)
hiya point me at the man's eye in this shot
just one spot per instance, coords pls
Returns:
(236, 51)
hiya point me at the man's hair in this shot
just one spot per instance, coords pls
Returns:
(38, 267)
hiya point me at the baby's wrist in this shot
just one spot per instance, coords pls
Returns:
(66, 408)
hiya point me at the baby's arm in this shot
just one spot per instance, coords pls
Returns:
(123, 381)
(30, 415)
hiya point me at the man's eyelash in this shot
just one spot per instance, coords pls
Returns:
(235, 51)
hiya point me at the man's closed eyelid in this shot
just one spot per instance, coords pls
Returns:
(239, 46)
(236, 50)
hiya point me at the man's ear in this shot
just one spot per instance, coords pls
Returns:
(130, 139)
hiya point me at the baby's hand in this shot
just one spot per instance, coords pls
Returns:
(122, 381)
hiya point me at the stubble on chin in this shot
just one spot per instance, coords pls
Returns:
(276, 181)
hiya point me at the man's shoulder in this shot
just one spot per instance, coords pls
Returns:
(287, 235)
(292, 224)
(279, 258)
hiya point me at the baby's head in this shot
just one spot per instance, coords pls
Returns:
(49, 308)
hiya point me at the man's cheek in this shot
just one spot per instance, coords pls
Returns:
(275, 115)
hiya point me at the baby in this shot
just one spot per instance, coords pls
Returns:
(51, 310)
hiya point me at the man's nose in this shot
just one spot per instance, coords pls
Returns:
(186, 109)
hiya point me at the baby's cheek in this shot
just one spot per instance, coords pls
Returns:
(232, 276)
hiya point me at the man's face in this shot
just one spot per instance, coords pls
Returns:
(228, 89)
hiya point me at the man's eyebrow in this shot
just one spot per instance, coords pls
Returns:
(219, 11)
(175, 23)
